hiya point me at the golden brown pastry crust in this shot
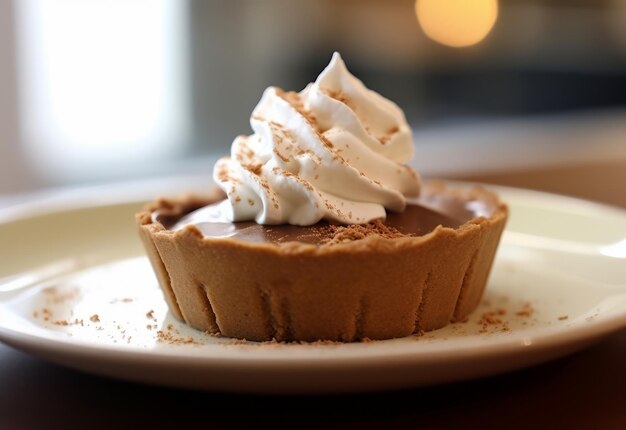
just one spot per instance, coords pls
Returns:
(376, 288)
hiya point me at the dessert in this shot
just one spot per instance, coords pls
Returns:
(318, 231)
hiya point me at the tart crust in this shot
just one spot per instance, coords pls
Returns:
(371, 288)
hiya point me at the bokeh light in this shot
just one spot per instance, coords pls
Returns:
(457, 23)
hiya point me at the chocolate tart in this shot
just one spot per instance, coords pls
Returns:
(414, 272)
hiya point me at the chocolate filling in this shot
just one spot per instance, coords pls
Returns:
(420, 217)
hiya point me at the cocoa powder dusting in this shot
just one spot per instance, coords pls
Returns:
(172, 336)
(526, 311)
(493, 319)
(339, 96)
(333, 234)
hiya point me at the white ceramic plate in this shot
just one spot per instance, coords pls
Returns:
(76, 289)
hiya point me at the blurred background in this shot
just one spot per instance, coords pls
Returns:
(521, 92)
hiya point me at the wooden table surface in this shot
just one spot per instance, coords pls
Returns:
(586, 390)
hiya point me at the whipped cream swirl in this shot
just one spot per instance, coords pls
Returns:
(333, 151)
